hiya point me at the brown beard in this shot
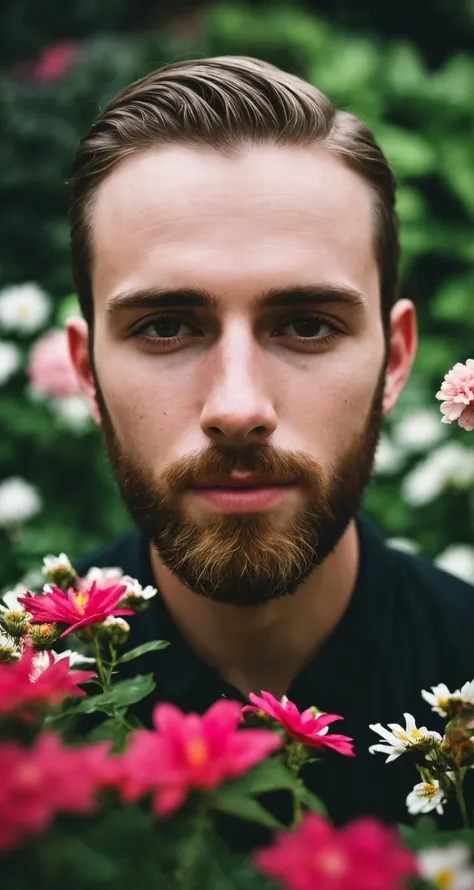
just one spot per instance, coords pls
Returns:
(246, 559)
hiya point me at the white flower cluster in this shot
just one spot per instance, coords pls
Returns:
(429, 794)
(24, 308)
(19, 501)
(452, 465)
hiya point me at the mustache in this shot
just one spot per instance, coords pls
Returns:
(289, 467)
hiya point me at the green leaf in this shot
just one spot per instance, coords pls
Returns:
(120, 695)
(245, 808)
(269, 775)
(312, 802)
(409, 153)
(152, 646)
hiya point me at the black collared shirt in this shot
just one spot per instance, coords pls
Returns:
(409, 626)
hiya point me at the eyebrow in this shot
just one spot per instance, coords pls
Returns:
(164, 298)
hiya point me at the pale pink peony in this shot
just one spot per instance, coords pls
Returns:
(305, 727)
(362, 855)
(47, 778)
(50, 369)
(188, 751)
(457, 390)
(77, 608)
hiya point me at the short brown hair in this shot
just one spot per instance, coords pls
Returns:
(224, 103)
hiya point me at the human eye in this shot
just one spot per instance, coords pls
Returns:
(307, 328)
(163, 331)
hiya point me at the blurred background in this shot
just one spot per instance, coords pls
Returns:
(407, 69)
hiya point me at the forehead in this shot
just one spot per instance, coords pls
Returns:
(265, 217)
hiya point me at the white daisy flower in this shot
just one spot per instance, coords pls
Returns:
(10, 361)
(419, 430)
(450, 465)
(448, 868)
(74, 411)
(53, 563)
(10, 599)
(116, 621)
(24, 308)
(19, 501)
(388, 456)
(134, 588)
(75, 658)
(400, 739)
(425, 797)
(104, 577)
(440, 697)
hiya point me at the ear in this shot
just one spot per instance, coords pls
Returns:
(78, 342)
(403, 343)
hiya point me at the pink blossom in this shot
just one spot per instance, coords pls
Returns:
(50, 369)
(23, 690)
(188, 751)
(304, 727)
(55, 61)
(38, 782)
(76, 607)
(364, 855)
(457, 390)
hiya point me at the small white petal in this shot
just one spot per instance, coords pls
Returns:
(19, 501)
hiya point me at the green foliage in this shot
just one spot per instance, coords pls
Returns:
(424, 119)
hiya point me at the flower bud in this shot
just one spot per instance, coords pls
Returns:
(9, 651)
(114, 629)
(59, 571)
(43, 636)
(458, 748)
(15, 622)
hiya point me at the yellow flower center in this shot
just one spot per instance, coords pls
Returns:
(429, 790)
(415, 734)
(45, 629)
(330, 863)
(444, 879)
(197, 752)
(80, 601)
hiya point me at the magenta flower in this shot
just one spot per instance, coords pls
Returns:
(76, 608)
(304, 727)
(23, 689)
(188, 751)
(55, 61)
(362, 855)
(47, 778)
(457, 390)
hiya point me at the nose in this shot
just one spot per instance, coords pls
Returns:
(238, 406)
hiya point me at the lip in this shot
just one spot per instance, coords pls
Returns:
(239, 499)
(247, 480)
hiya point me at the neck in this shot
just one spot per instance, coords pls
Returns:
(265, 647)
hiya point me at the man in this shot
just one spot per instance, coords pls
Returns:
(235, 254)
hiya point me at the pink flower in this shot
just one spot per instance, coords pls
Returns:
(50, 369)
(55, 61)
(188, 752)
(305, 727)
(76, 608)
(458, 392)
(38, 782)
(23, 690)
(364, 855)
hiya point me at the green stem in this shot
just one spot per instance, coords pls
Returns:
(460, 798)
(190, 848)
(104, 682)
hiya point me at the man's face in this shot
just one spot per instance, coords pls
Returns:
(213, 378)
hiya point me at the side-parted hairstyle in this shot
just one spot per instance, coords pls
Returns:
(226, 103)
